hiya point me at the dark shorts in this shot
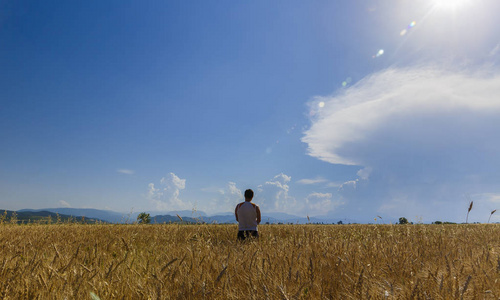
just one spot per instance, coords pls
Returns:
(243, 234)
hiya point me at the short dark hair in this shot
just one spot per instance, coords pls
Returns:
(248, 194)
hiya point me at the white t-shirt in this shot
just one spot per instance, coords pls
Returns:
(247, 216)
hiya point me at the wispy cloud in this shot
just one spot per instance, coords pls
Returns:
(316, 180)
(418, 134)
(319, 203)
(225, 199)
(319, 181)
(125, 171)
(165, 196)
(64, 203)
(493, 198)
(334, 184)
(387, 108)
(351, 184)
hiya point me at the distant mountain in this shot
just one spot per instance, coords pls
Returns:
(182, 213)
(223, 214)
(44, 216)
(209, 220)
(172, 219)
(280, 215)
(221, 219)
(106, 215)
(188, 216)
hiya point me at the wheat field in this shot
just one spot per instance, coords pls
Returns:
(71, 261)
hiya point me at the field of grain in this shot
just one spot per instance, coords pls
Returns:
(70, 261)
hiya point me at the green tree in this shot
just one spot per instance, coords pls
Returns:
(403, 220)
(143, 218)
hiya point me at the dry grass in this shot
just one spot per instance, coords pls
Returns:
(288, 262)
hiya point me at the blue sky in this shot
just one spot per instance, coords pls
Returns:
(352, 110)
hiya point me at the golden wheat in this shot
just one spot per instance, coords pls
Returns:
(287, 262)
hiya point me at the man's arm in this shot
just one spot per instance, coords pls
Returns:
(236, 213)
(258, 214)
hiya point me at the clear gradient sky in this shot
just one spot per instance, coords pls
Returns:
(349, 109)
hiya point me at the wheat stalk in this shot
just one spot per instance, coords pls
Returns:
(468, 211)
(492, 212)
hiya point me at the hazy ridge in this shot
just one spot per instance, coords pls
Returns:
(187, 216)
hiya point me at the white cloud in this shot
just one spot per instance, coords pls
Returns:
(319, 203)
(364, 173)
(405, 108)
(490, 197)
(166, 196)
(351, 184)
(312, 181)
(125, 171)
(225, 199)
(319, 181)
(64, 203)
(334, 184)
(273, 195)
(320, 195)
(234, 191)
(422, 136)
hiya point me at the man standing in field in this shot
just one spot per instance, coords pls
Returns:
(248, 217)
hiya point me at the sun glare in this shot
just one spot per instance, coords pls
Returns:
(450, 4)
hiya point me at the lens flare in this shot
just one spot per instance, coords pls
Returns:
(379, 53)
(410, 26)
(346, 82)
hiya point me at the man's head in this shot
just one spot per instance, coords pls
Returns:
(248, 195)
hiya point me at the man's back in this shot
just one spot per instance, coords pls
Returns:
(247, 216)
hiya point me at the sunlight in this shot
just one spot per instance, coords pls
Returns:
(450, 4)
